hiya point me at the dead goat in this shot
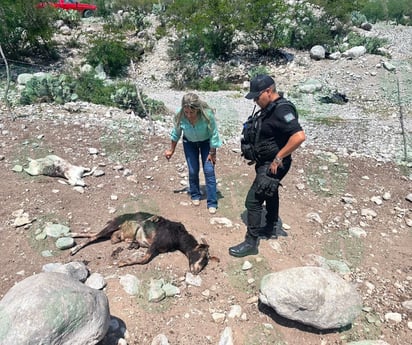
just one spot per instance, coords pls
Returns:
(157, 234)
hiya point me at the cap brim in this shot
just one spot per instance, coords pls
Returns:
(252, 95)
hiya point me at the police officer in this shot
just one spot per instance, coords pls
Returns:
(272, 134)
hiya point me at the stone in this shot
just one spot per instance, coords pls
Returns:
(51, 308)
(321, 299)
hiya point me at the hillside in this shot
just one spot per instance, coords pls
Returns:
(349, 164)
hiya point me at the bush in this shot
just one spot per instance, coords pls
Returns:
(112, 54)
(71, 18)
(63, 88)
(209, 84)
(25, 31)
(93, 90)
(48, 88)
(310, 31)
(207, 26)
(372, 44)
(340, 9)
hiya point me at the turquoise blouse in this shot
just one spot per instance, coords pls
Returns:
(199, 132)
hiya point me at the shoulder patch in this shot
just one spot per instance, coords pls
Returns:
(289, 117)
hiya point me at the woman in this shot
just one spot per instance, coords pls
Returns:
(196, 121)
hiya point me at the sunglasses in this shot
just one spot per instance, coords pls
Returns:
(260, 94)
(191, 106)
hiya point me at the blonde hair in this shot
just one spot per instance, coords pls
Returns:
(193, 101)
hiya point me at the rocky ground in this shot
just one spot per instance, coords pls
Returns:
(349, 174)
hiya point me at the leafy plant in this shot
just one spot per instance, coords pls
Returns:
(340, 9)
(210, 84)
(111, 53)
(257, 70)
(25, 31)
(92, 89)
(71, 18)
(48, 88)
(208, 27)
(372, 44)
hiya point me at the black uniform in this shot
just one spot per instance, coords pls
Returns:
(265, 134)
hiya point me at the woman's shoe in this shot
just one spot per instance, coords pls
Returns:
(212, 210)
(196, 202)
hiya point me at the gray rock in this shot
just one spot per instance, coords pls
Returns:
(160, 339)
(75, 269)
(170, 290)
(335, 56)
(56, 230)
(96, 281)
(388, 66)
(317, 52)
(227, 337)
(64, 243)
(407, 305)
(50, 308)
(311, 295)
(23, 78)
(310, 86)
(130, 284)
(357, 232)
(355, 52)
(366, 26)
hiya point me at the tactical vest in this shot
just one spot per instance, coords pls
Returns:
(253, 149)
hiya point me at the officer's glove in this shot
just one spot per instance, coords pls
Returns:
(266, 186)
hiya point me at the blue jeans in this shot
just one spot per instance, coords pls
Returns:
(192, 151)
(254, 205)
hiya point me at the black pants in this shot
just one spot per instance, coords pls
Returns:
(254, 205)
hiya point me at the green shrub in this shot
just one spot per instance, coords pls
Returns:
(208, 26)
(134, 20)
(400, 11)
(111, 53)
(210, 84)
(93, 90)
(257, 70)
(71, 18)
(87, 87)
(375, 10)
(25, 31)
(340, 9)
(48, 88)
(125, 97)
(311, 31)
(372, 44)
(358, 18)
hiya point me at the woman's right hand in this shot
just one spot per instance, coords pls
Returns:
(169, 154)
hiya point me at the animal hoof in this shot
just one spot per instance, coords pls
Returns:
(122, 264)
(115, 253)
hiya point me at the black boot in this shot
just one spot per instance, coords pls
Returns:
(248, 247)
(271, 231)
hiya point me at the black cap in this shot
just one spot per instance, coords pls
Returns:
(259, 84)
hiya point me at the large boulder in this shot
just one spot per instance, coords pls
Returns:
(313, 296)
(54, 309)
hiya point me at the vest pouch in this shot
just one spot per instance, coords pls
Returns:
(247, 150)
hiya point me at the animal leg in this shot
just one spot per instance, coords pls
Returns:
(149, 255)
(90, 238)
(76, 248)
(133, 245)
(116, 237)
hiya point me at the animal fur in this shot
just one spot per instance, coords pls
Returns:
(157, 234)
(55, 166)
